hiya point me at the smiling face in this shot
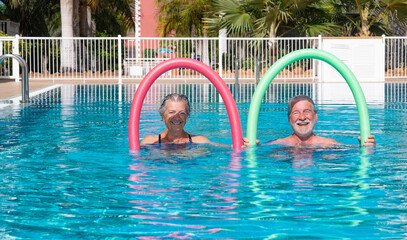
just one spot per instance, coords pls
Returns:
(302, 119)
(175, 115)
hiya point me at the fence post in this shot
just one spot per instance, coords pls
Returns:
(257, 70)
(16, 65)
(237, 70)
(384, 54)
(237, 78)
(220, 64)
(119, 46)
(318, 64)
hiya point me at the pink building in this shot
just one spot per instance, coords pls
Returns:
(152, 51)
(146, 22)
(147, 17)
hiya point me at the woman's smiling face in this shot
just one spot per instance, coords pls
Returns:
(175, 115)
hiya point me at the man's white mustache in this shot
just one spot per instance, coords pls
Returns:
(302, 122)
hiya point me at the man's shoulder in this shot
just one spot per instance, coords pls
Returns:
(286, 140)
(325, 140)
(292, 141)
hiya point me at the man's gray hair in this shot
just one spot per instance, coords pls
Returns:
(298, 98)
(176, 98)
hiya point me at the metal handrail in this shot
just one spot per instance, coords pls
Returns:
(25, 94)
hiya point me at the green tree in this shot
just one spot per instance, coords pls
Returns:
(36, 17)
(271, 18)
(236, 16)
(113, 17)
(44, 17)
(366, 18)
(316, 18)
(182, 17)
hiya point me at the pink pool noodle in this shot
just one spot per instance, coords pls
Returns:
(156, 72)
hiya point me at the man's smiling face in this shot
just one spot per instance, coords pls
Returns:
(302, 119)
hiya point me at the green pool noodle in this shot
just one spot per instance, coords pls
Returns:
(299, 55)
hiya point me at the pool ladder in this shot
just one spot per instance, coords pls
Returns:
(24, 86)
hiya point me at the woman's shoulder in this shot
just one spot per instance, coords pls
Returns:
(199, 139)
(150, 139)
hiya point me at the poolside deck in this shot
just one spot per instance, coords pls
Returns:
(10, 88)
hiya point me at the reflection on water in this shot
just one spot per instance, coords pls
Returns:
(270, 190)
(207, 93)
(173, 153)
(184, 197)
(197, 93)
(316, 175)
(341, 93)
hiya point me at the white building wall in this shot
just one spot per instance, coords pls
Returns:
(365, 58)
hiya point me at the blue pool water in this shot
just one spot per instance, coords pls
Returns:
(66, 171)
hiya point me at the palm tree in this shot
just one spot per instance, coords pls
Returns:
(36, 18)
(68, 56)
(112, 17)
(236, 16)
(371, 17)
(271, 18)
(185, 18)
(182, 17)
(273, 14)
(85, 21)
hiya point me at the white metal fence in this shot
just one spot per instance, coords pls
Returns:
(123, 59)
(396, 58)
(120, 59)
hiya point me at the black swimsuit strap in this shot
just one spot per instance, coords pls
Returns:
(159, 138)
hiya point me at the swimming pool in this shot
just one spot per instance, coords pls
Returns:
(66, 171)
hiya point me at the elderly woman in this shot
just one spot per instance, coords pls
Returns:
(174, 111)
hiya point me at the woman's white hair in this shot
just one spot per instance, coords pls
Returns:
(176, 98)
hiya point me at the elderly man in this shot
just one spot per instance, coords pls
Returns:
(302, 117)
